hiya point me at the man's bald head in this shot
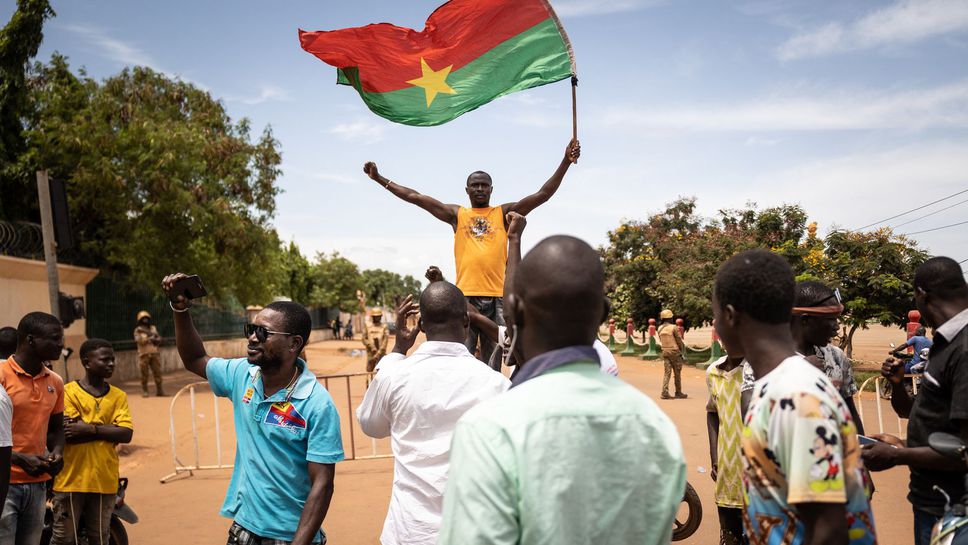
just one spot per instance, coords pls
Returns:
(443, 308)
(560, 287)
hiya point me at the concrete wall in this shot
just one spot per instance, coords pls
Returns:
(23, 289)
(126, 367)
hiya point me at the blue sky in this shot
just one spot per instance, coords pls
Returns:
(856, 110)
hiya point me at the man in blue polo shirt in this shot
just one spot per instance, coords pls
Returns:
(287, 428)
(919, 341)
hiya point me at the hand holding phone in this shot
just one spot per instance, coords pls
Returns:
(865, 440)
(182, 288)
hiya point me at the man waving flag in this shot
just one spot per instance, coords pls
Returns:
(469, 53)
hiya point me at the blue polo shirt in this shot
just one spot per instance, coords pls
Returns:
(919, 342)
(274, 442)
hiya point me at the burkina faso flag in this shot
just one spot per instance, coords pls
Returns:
(469, 53)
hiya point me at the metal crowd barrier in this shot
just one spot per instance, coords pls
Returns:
(195, 464)
(879, 389)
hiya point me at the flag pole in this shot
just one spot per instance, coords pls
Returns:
(574, 109)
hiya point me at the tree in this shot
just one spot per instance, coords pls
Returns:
(159, 177)
(385, 288)
(670, 260)
(335, 282)
(296, 275)
(874, 272)
(19, 41)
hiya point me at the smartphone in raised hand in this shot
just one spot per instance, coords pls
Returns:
(190, 287)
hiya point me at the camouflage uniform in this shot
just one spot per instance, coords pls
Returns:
(376, 337)
(672, 347)
(148, 339)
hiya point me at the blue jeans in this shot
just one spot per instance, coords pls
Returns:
(492, 308)
(22, 521)
(923, 524)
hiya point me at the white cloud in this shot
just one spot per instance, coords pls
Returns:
(854, 190)
(267, 93)
(893, 173)
(578, 8)
(110, 47)
(365, 132)
(809, 110)
(759, 141)
(904, 22)
(122, 52)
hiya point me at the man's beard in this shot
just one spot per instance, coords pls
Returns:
(264, 361)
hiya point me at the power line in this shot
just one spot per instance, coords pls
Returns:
(912, 210)
(934, 229)
(963, 260)
(929, 214)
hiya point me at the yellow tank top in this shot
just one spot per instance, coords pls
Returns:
(481, 251)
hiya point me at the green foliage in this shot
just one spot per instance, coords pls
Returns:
(295, 276)
(19, 41)
(670, 260)
(874, 272)
(385, 288)
(335, 281)
(159, 178)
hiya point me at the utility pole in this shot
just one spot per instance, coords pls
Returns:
(50, 243)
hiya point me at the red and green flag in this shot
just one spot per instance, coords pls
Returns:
(469, 53)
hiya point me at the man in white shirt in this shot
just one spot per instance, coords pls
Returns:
(6, 442)
(417, 401)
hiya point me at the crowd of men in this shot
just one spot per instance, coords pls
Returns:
(561, 452)
(483, 459)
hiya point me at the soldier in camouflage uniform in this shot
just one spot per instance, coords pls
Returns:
(148, 340)
(375, 337)
(672, 348)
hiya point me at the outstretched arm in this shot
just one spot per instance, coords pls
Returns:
(189, 343)
(516, 223)
(529, 203)
(446, 213)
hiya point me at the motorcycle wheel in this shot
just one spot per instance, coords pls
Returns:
(687, 522)
(119, 536)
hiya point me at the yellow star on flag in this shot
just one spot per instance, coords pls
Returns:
(433, 82)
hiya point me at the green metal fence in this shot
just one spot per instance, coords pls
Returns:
(112, 310)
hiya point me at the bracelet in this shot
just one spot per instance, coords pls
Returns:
(387, 185)
(175, 309)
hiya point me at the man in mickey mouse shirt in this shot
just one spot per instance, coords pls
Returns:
(803, 475)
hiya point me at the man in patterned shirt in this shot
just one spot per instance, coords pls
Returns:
(816, 313)
(814, 323)
(724, 421)
(803, 475)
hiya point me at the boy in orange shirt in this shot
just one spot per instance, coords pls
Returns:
(96, 419)
(37, 394)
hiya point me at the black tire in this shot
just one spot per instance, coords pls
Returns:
(683, 527)
(119, 536)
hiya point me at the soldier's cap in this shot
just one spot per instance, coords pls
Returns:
(665, 314)
(143, 314)
(376, 312)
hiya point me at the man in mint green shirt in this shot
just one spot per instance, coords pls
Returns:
(568, 455)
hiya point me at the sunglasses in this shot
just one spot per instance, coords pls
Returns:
(261, 332)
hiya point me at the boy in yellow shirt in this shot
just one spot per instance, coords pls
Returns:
(96, 419)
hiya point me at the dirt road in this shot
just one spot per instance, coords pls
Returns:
(185, 510)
